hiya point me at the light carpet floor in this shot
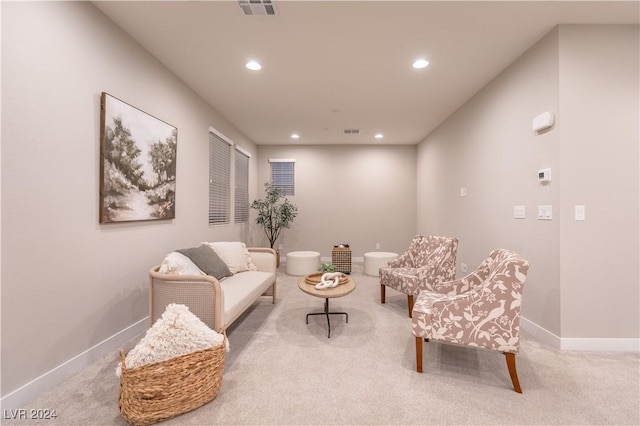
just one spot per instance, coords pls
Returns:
(285, 372)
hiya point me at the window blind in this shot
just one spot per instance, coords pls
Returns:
(219, 180)
(283, 175)
(241, 200)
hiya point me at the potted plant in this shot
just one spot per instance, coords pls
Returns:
(275, 213)
(327, 267)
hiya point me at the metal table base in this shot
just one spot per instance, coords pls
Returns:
(327, 313)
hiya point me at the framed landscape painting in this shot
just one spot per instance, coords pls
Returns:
(137, 164)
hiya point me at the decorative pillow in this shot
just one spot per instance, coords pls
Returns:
(177, 332)
(207, 260)
(178, 264)
(250, 265)
(232, 253)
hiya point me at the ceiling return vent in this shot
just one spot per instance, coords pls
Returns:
(351, 131)
(257, 7)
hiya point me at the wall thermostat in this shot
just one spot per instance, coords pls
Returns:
(544, 175)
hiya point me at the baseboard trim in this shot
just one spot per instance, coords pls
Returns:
(355, 259)
(601, 344)
(579, 343)
(541, 334)
(327, 259)
(28, 392)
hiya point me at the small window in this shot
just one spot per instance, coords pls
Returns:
(241, 200)
(219, 179)
(283, 175)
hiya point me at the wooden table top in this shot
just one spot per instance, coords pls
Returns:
(338, 291)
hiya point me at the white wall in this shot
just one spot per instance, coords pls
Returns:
(583, 280)
(599, 109)
(69, 283)
(361, 195)
(488, 147)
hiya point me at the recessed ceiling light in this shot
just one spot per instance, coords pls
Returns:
(295, 136)
(253, 65)
(420, 63)
(379, 136)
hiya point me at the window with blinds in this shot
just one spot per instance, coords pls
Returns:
(241, 199)
(283, 176)
(219, 180)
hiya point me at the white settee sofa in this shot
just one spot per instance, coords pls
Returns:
(217, 302)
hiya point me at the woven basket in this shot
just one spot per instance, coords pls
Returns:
(165, 389)
(341, 259)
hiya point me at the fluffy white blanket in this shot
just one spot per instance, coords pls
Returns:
(176, 332)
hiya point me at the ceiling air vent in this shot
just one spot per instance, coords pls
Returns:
(257, 7)
(351, 131)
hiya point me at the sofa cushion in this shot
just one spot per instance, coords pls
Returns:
(241, 290)
(207, 260)
(178, 264)
(234, 254)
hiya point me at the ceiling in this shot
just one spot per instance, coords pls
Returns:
(328, 66)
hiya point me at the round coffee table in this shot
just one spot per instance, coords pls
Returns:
(327, 293)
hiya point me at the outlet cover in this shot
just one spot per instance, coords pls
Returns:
(545, 212)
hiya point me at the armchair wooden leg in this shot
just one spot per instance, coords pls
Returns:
(410, 305)
(511, 365)
(381, 293)
(419, 354)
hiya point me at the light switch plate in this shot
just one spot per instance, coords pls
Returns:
(579, 212)
(518, 212)
(545, 212)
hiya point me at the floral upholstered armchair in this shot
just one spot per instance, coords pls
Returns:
(480, 310)
(414, 256)
(428, 261)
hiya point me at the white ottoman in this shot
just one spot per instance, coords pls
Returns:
(303, 262)
(375, 260)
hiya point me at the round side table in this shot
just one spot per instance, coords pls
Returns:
(327, 293)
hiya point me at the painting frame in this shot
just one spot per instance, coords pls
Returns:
(138, 157)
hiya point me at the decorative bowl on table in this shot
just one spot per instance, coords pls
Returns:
(314, 279)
